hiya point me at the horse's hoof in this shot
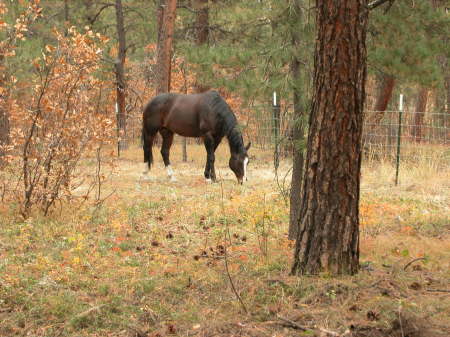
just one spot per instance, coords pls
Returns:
(146, 177)
(208, 181)
(173, 179)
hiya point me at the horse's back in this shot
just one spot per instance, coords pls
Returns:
(191, 115)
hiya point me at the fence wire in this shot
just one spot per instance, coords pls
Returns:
(423, 135)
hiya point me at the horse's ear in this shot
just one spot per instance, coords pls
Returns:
(248, 146)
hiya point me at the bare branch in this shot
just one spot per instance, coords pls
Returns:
(374, 4)
(100, 11)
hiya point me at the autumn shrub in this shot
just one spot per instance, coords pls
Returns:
(59, 125)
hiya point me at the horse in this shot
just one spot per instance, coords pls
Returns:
(205, 115)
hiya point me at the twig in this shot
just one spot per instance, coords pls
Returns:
(439, 290)
(412, 261)
(226, 251)
(292, 324)
(87, 312)
(332, 333)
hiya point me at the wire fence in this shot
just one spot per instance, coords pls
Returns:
(421, 135)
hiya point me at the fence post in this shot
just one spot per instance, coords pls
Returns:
(276, 109)
(399, 136)
(184, 149)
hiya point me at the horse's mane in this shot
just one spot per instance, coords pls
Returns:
(228, 121)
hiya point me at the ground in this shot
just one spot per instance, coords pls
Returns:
(187, 258)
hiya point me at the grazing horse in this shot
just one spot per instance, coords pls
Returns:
(204, 115)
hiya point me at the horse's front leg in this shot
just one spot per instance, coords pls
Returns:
(210, 173)
(165, 151)
(212, 168)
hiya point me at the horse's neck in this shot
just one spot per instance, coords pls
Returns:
(235, 141)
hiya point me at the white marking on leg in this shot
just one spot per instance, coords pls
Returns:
(245, 169)
(146, 169)
(170, 173)
(208, 180)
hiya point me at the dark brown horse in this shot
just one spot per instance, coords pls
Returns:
(205, 115)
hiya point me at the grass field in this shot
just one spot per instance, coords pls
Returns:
(187, 258)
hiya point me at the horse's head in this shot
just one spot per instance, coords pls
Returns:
(238, 164)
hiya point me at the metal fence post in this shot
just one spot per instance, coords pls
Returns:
(399, 136)
(276, 109)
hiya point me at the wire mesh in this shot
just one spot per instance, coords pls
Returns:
(424, 135)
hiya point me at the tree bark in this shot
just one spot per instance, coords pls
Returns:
(328, 237)
(66, 17)
(385, 90)
(164, 49)
(445, 64)
(297, 135)
(201, 33)
(160, 19)
(120, 78)
(421, 106)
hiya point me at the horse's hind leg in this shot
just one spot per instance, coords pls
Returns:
(147, 144)
(167, 136)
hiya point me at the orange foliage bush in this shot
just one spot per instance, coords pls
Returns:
(58, 124)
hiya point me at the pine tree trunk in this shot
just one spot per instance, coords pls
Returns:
(298, 157)
(445, 64)
(421, 106)
(385, 90)
(328, 237)
(160, 19)
(164, 49)
(201, 33)
(297, 135)
(120, 78)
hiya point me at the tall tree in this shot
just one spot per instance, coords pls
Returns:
(421, 105)
(4, 117)
(386, 85)
(201, 32)
(164, 48)
(298, 127)
(328, 236)
(120, 77)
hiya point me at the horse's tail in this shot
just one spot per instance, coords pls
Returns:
(146, 146)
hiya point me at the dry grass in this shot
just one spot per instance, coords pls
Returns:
(151, 260)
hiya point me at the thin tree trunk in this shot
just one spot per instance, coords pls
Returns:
(164, 50)
(201, 33)
(297, 135)
(328, 237)
(385, 90)
(444, 120)
(4, 115)
(421, 106)
(120, 78)
(66, 17)
(160, 19)
(90, 15)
